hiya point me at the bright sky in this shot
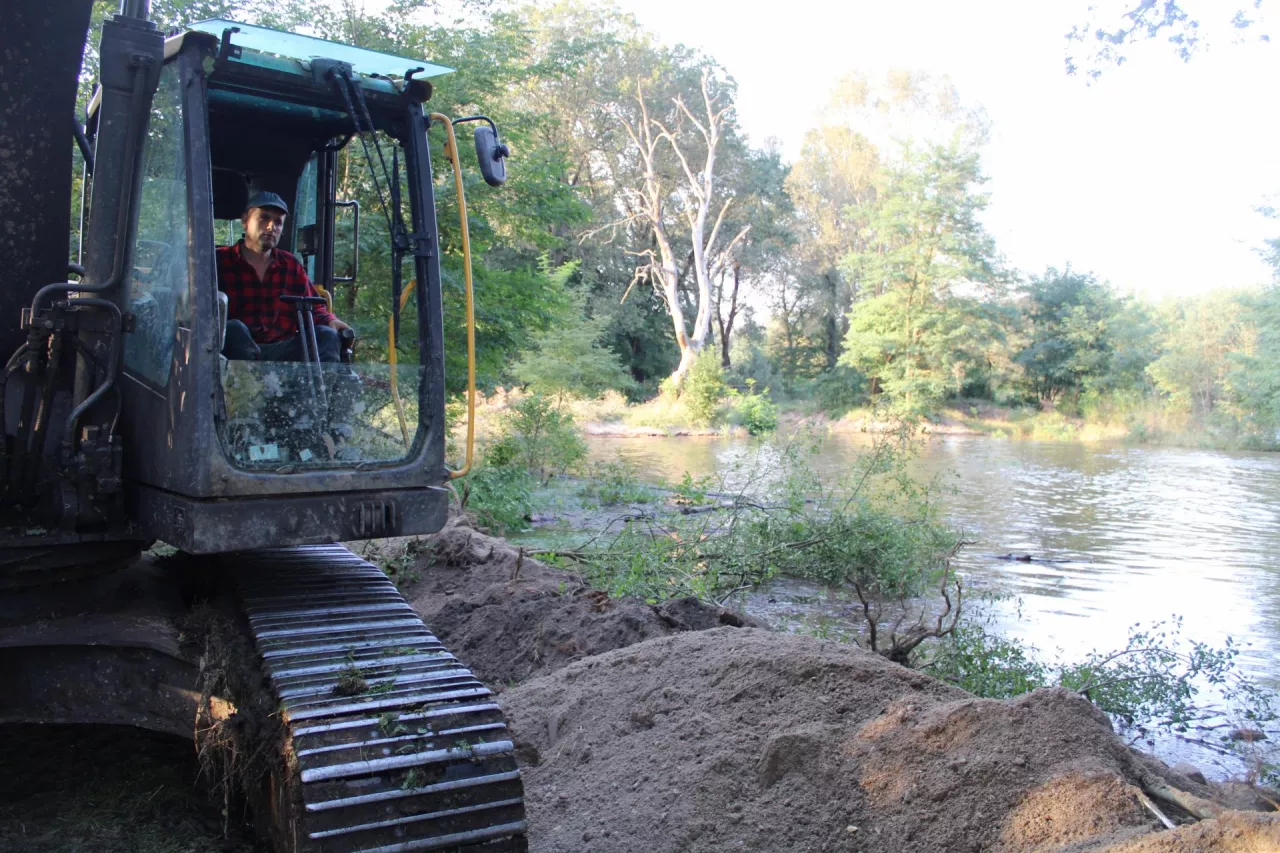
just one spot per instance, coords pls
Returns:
(1148, 178)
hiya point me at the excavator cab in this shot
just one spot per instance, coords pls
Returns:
(122, 394)
(124, 419)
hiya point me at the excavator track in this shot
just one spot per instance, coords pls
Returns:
(394, 746)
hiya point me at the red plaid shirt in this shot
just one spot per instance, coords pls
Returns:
(256, 302)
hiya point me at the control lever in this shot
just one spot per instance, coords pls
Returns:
(347, 345)
(304, 306)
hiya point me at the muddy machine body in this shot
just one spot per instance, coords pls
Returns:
(122, 423)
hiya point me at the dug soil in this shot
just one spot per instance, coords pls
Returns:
(691, 728)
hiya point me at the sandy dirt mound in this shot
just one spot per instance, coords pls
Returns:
(1234, 832)
(510, 624)
(750, 740)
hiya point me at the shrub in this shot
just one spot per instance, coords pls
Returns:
(1156, 681)
(616, 482)
(703, 388)
(539, 437)
(691, 492)
(501, 496)
(755, 411)
(987, 664)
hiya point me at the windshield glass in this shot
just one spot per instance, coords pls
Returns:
(297, 393)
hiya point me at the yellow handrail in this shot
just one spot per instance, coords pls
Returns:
(451, 151)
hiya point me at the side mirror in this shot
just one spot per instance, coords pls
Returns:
(492, 155)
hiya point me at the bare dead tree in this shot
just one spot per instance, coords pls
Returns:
(693, 197)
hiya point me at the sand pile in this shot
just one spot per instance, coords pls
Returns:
(751, 740)
(640, 730)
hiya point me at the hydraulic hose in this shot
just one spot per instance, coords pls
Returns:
(452, 150)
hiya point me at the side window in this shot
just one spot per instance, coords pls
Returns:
(160, 298)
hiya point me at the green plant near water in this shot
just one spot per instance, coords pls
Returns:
(703, 388)
(986, 664)
(878, 531)
(539, 436)
(1159, 680)
(691, 492)
(616, 482)
(756, 412)
(501, 496)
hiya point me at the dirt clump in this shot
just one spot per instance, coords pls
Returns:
(751, 740)
(511, 618)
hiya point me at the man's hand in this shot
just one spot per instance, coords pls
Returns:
(337, 325)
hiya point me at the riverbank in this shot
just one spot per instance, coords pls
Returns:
(679, 727)
(611, 416)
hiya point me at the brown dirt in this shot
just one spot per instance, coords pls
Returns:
(640, 730)
(745, 739)
(509, 626)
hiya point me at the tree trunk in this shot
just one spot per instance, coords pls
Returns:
(726, 328)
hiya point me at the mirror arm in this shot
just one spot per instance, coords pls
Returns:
(502, 149)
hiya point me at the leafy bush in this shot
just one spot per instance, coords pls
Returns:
(501, 496)
(703, 388)
(1156, 681)
(755, 411)
(691, 492)
(987, 664)
(616, 482)
(539, 437)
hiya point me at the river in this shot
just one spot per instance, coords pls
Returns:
(1136, 535)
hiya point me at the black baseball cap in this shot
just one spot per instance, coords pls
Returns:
(266, 199)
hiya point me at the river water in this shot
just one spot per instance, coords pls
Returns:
(1122, 535)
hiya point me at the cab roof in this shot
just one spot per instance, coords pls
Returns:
(303, 49)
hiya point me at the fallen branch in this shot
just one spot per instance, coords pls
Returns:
(1197, 807)
(1154, 809)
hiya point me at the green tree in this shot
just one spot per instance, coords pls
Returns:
(567, 358)
(924, 325)
(1198, 339)
(1069, 336)
(1113, 28)
(1254, 373)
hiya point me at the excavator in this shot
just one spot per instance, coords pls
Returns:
(123, 424)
